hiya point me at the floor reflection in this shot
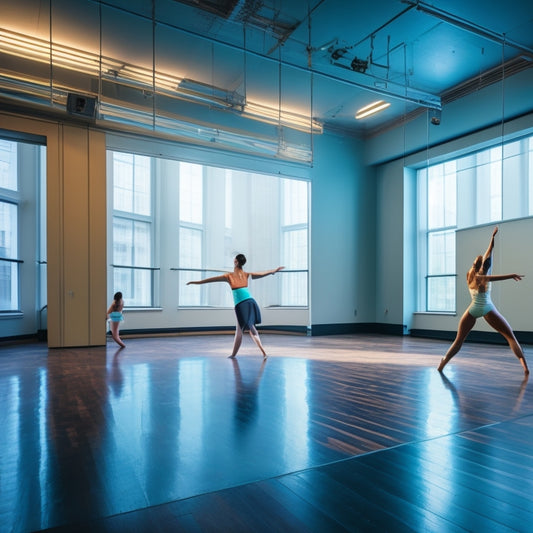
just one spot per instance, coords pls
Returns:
(115, 375)
(520, 396)
(76, 429)
(97, 432)
(246, 401)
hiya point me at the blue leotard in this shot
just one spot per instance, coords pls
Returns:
(116, 316)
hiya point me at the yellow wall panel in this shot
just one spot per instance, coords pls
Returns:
(76, 229)
(75, 236)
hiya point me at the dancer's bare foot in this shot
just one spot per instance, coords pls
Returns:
(231, 356)
(442, 364)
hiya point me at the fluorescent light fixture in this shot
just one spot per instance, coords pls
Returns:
(371, 109)
(35, 49)
(209, 136)
(90, 63)
(147, 77)
(211, 95)
(273, 115)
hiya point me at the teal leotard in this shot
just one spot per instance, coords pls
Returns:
(116, 316)
(240, 294)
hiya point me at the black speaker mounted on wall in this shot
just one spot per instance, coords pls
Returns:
(81, 106)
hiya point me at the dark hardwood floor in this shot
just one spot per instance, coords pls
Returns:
(340, 433)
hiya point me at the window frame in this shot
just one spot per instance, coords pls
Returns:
(12, 196)
(477, 205)
(134, 217)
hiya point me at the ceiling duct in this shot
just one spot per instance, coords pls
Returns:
(220, 8)
(251, 13)
(494, 75)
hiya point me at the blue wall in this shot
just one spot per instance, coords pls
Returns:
(473, 121)
(343, 233)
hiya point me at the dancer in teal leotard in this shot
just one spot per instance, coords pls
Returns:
(246, 309)
(115, 317)
(479, 284)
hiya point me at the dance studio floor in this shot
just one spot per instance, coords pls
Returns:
(336, 433)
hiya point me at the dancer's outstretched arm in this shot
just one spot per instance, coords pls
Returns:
(257, 275)
(500, 277)
(209, 280)
(490, 248)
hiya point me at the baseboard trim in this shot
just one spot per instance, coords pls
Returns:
(368, 327)
(302, 330)
(19, 339)
(486, 337)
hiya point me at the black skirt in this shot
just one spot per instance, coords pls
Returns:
(248, 313)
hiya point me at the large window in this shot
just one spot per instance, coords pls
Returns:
(133, 271)
(223, 212)
(9, 207)
(441, 222)
(22, 237)
(191, 228)
(495, 184)
(176, 221)
(294, 241)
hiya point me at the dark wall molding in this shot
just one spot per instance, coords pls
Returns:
(487, 337)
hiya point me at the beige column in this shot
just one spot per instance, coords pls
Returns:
(81, 239)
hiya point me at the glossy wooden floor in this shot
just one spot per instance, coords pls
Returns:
(344, 433)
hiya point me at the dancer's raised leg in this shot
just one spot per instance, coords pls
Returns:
(465, 326)
(498, 322)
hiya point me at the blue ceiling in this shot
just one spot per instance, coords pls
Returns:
(412, 54)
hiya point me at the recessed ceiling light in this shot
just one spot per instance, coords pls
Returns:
(372, 108)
